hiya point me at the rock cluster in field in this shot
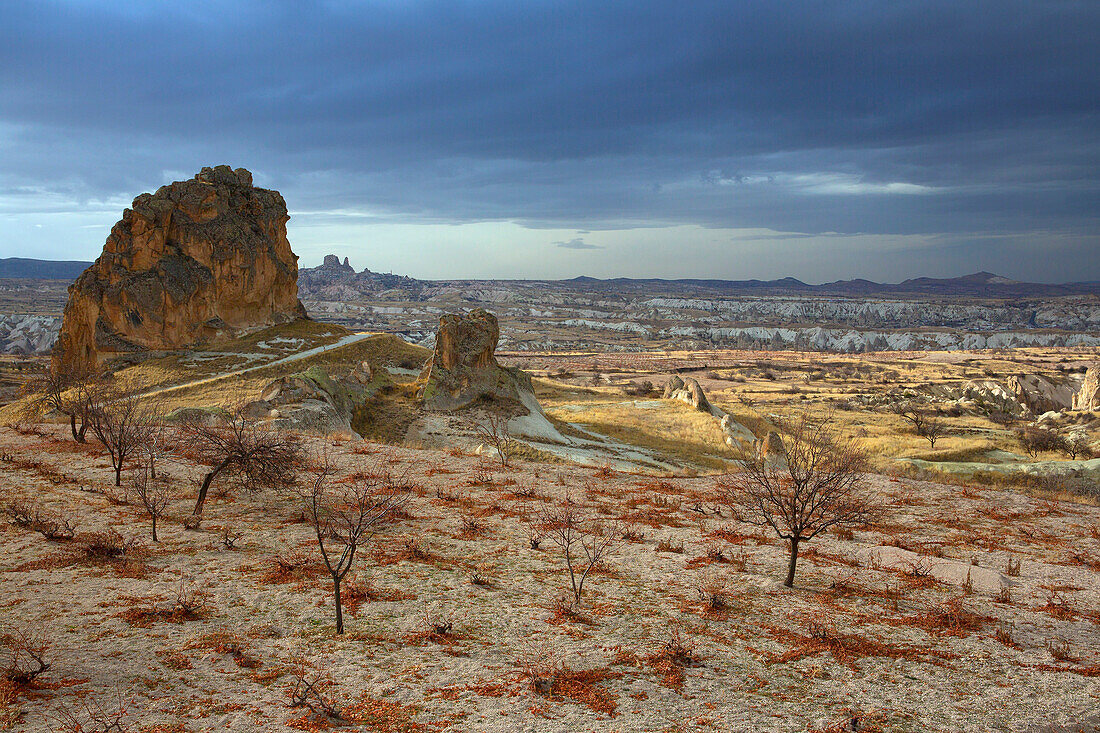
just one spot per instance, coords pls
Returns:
(197, 261)
(689, 391)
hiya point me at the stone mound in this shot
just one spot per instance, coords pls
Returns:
(195, 262)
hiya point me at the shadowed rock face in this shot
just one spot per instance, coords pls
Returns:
(197, 261)
(463, 368)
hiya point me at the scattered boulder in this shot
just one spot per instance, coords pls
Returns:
(1088, 396)
(770, 447)
(194, 263)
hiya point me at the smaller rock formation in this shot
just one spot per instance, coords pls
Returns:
(1088, 397)
(334, 281)
(1024, 394)
(463, 369)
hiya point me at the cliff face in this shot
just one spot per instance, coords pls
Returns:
(197, 261)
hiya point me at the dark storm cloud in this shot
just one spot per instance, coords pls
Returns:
(953, 118)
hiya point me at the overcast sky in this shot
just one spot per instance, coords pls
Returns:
(731, 139)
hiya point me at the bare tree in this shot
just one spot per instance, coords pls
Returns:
(1077, 444)
(583, 542)
(122, 420)
(932, 430)
(912, 415)
(347, 518)
(819, 484)
(1035, 440)
(492, 430)
(155, 493)
(68, 390)
(250, 454)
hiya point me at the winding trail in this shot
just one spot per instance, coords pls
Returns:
(297, 356)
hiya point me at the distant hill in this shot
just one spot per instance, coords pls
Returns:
(22, 267)
(977, 285)
(338, 280)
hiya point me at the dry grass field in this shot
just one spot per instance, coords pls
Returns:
(457, 621)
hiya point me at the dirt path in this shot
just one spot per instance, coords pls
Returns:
(340, 343)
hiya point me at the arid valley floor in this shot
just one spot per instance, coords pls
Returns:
(973, 605)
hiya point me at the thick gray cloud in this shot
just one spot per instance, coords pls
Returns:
(973, 123)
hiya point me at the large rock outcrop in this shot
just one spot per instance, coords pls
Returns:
(197, 261)
(1024, 394)
(1088, 397)
(463, 370)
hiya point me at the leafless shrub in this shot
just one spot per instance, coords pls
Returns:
(155, 493)
(190, 601)
(535, 535)
(1059, 649)
(482, 575)
(1035, 440)
(492, 430)
(667, 545)
(583, 542)
(820, 484)
(230, 537)
(23, 653)
(67, 389)
(713, 591)
(1013, 568)
(643, 388)
(347, 518)
(1003, 634)
(33, 517)
(933, 430)
(252, 456)
(541, 661)
(97, 715)
(314, 691)
(472, 525)
(107, 544)
(1004, 595)
(122, 420)
(1076, 444)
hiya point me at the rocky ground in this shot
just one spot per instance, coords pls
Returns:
(455, 621)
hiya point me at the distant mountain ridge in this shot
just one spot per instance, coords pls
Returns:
(336, 273)
(25, 268)
(978, 284)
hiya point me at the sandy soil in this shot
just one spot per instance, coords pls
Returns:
(898, 649)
